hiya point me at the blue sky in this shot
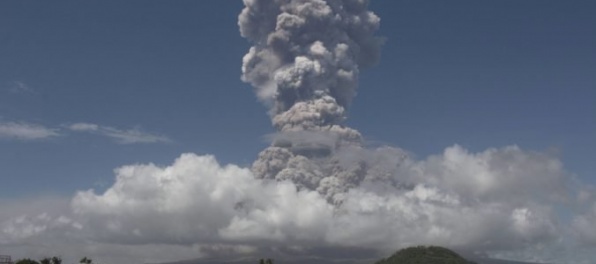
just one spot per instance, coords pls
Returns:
(474, 73)
(479, 74)
(154, 79)
(169, 69)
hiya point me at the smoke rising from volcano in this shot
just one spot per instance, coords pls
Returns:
(304, 64)
(317, 185)
(305, 51)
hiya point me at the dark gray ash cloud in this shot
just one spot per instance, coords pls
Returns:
(304, 64)
(317, 187)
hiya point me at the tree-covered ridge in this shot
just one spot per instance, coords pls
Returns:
(52, 260)
(425, 255)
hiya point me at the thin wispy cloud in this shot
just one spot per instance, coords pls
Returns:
(83, 127)
(17, 87)
(121, 136)
(25, 131)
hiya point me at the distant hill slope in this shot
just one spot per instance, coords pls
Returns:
(425, 255)
(499, 261)
(412, 255)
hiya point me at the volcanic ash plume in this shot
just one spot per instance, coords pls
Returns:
(304, 65)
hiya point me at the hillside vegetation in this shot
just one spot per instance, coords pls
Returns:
(425, 255)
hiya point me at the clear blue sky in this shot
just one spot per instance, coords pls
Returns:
(477, 73)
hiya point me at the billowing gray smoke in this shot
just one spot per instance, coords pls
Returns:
(304, 64)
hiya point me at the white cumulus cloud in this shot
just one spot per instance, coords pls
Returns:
(584, 225)
(478, 201)
(499, 200)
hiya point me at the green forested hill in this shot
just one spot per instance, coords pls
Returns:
(425, 255)
(412, 255)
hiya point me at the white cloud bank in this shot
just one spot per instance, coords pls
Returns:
(25, 131)
(584, 226)
(130, 136)
(498, 200)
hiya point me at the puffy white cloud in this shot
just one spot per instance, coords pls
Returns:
(196, 206)
(305, 193)
(584, 225)
(45, 226)
(196, 200)
(23, 227)
(508, 174)
(130, 136)
(29, 227)
(25, 131)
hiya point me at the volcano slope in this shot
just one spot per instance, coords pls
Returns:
(425, 255)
